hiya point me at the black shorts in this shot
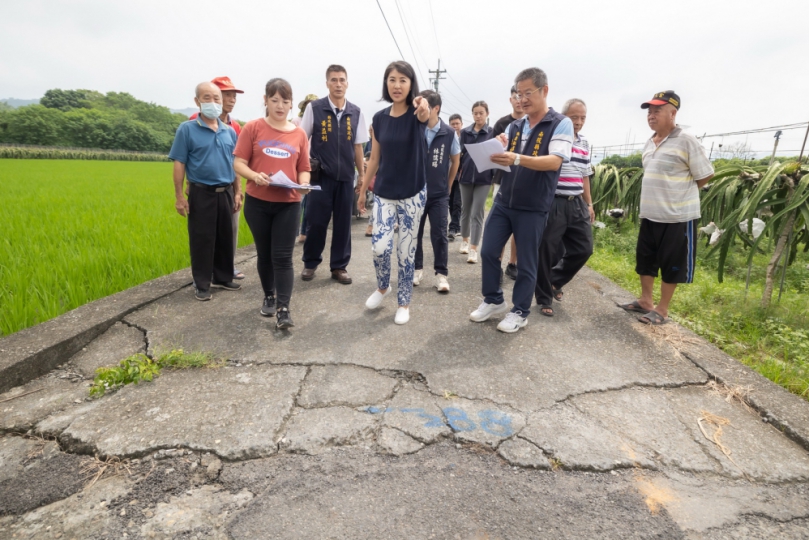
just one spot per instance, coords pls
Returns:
(670, 248)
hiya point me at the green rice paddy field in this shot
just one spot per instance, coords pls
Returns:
(75, 231)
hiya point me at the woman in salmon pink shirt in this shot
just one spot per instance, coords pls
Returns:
(266, 146)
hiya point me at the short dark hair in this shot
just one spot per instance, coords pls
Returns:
(456, 116)
(280, 87)
(335, 68)
(433, 99)
(481, 104)
(536, 75)
(407, 70)
(514, 89)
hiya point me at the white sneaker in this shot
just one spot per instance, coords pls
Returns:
(402, 315)
(375, 300)
(417, 277)
(484, 311)
(441, 283)
(464, 247)
(513, 322)
(473, 257)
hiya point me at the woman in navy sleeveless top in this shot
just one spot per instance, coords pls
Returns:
(399, 161)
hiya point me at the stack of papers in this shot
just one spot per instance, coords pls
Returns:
(281, 180)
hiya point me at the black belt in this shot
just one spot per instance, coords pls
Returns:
(216, 189)
(568, 197)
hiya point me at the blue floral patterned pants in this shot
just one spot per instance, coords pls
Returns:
(407, 214)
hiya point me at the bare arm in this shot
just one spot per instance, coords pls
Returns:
(455, 164)
(422, 109)
(704, 181)
(359, 162)
(238, 197)
(535, 163)
(241, 168)
(370, 172)
(304, 178)
(181, 203)
(588, 198)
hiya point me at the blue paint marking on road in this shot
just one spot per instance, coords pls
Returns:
(493, 422)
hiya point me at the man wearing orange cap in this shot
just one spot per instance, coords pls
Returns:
(228, 103)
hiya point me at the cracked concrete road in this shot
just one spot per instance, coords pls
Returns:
(588, 424)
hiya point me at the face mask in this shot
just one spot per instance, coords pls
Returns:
(210, 110)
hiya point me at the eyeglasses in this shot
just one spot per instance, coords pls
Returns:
(526, 95)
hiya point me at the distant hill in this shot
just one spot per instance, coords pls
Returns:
(188, 111)
(14, 103)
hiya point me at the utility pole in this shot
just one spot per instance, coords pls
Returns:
(438, 76)
(774, 148)
(803, 146)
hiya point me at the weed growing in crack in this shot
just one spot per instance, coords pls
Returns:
(139, 367)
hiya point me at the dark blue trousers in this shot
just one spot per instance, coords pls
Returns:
(455, 207)
(304, 224)
(437, 209)
(332, 203)
(527, 229)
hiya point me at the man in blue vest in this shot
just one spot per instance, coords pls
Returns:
(444, 158)
(337, 130)
(536, 145)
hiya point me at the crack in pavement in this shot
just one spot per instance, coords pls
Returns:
(145, 333)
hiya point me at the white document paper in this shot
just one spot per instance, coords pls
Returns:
(481, 154)
(280, 179)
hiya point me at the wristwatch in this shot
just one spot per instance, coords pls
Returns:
(517, 160)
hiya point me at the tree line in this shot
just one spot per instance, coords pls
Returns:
(634, 160)
(90, 119)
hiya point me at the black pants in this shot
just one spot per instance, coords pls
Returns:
(437, 210)
(455, 207)
(274, 226)
(210, 235)
(333, 202)
(567, 242)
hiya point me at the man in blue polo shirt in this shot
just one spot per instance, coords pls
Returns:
(203, 153)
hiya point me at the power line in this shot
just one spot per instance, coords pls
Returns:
(459, 87)
(407, 35)
(389, 30)
(441, 56)
(435, 33)
(799, 125)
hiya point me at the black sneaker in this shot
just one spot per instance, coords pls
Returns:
(511, 271)
(268, 309)
(451, 236)
(283, 320)
(227, 285)
(201, 295)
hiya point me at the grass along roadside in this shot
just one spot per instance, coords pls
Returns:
(139, 368)
(774, 342)
(77, 231)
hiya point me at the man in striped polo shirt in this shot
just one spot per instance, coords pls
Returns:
(675, 167)
(567, 241)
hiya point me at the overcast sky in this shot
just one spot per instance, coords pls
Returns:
(737, 64)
